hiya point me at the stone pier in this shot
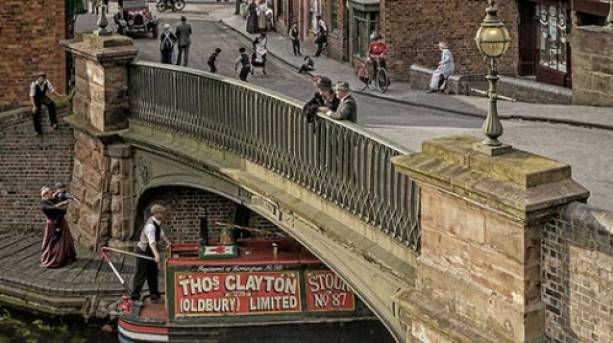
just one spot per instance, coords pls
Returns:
(102, 165)
(479, 272)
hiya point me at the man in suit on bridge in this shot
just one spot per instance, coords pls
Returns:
(183, 33)
(347, 107)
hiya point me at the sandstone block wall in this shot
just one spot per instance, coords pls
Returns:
(40, 24)
(101, 94)
(412, 28)
(185, 207)
(26, 164)
(592, 67)
(577, 271)
(90, 183)
(486, 252)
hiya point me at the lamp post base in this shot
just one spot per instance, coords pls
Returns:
(492, 150)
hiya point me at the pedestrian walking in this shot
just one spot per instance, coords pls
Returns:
(167, 44)
(39, 90)
(183, 33)
(212, 59)
(96, 6)
(308, 65)
(445, 68)
(261, 15)
(322, 35)
(270, 20)
(244, 62)
(260, 52)
(347, 107)
(252, 17)
(293, 36)
(149, 244)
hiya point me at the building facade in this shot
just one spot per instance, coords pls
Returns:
(31, 31)
(539, 29)
(544, 30)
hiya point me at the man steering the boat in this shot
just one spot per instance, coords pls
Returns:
(149, 245)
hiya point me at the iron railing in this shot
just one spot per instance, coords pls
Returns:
(335, 159)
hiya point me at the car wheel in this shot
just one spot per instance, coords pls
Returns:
(179, 5)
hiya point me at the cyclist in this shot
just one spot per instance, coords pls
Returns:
(376, 51)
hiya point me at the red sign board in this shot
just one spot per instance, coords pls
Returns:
(245, 293)
(326, 291)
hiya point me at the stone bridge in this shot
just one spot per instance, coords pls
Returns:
(459, 258)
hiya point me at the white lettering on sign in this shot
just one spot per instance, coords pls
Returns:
(273, 303)
(330, 281)
(221, 305)
(199, 285)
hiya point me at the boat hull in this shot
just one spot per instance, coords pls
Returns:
(358, 330)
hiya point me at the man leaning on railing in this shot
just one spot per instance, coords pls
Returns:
(347, 107)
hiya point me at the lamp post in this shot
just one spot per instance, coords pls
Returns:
(492, 40)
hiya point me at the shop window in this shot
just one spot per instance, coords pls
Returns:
(334, 16)
(364, 24)
(552, 36)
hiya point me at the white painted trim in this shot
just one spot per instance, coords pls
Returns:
(148, 337)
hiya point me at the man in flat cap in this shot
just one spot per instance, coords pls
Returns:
(347, 107)
(39, 91)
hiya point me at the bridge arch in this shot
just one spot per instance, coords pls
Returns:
(157, 168)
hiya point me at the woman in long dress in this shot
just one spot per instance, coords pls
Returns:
(58, 245)
(252, 17)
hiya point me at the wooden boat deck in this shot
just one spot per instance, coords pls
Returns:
(78, 288)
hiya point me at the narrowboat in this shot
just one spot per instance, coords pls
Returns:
(249, 290)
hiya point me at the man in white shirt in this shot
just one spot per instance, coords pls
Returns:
(39, 90)
(148, 244)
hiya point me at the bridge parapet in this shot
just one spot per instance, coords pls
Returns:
(337, 160)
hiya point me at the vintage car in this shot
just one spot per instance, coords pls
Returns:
(134, 16)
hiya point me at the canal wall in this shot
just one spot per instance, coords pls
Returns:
(186, 205)
(27, 163)
(577, 271)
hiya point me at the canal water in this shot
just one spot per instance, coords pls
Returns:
(20, 327)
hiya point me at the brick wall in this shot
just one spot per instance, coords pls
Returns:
(577, 272)
(186, 205)
(412, 29)
(30, 31)
(27, 164)
(336, 39)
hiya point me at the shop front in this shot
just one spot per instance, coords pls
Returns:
(364, 21)
(544, 31)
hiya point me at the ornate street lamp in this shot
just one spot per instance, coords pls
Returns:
(492, 40)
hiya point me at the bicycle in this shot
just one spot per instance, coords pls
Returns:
(380, 78)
